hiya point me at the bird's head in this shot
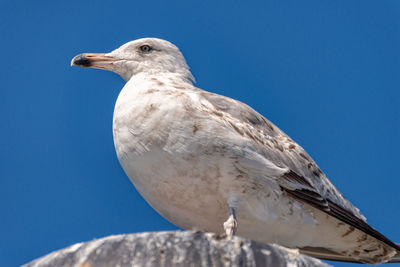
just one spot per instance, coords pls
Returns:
(147, 55)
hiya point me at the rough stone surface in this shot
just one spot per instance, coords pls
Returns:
(174, 249)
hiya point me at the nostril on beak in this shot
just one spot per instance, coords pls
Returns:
(81, 60)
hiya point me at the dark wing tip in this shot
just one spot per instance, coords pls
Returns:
(319, 202)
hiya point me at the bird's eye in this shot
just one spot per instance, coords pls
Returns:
(145, 48)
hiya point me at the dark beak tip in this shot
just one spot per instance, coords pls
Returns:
(81, 61)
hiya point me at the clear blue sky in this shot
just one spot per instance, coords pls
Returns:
(326, 72)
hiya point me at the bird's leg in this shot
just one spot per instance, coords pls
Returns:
(230, 225)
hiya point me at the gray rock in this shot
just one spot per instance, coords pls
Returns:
(174, 249)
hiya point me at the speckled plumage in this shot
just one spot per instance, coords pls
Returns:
(193, 155)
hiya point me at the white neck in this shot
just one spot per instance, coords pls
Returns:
(168, 78)
(141, 70)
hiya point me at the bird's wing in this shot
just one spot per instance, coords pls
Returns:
(302, 178)
(279, 149)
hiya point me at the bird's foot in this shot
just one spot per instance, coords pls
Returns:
(230, 226)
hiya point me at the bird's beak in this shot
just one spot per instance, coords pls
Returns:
(92, 60)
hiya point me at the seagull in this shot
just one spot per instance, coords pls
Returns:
(208, 162)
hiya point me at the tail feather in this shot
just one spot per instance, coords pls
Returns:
(395, 258)
(326, 254)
